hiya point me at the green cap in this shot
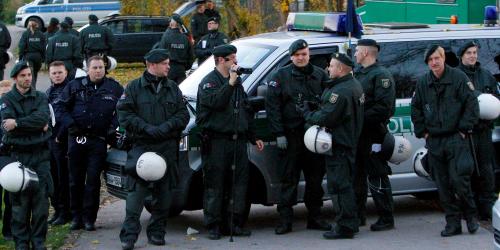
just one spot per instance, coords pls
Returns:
(343, 58)
(224, 50)
(18, 67)
(156, 55)
(297, 45)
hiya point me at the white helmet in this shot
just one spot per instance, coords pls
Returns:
(14, 177)
(112, 63)
(80, 73)
(395, 149)
(420, 168)
(151, 166)
(318, 140)
(489, 107)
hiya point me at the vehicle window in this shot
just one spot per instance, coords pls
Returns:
(51, 2)
(116, 27)
(134, 26)
(159, 25)
(248, 55)
(147, 25)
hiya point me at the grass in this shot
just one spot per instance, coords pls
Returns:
(126, 72)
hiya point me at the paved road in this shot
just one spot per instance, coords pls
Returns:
(418, 224)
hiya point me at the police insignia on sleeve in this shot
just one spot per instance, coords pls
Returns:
(471, 86)
(386, 83)
(3, 106)
(225, 40)
(208, 85)
(362, 99)
(273, 84)
(333, 98)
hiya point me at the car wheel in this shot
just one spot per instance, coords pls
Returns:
(430, 195)
(37, 21)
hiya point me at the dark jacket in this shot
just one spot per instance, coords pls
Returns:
(207, 43)
(199, 26)
(444, 106)
(141, 106)
(288, 88)
(96, 38)
(341, 111)
(224, 109)
(32, 46)
(5, 41)
(64, 47)
(178, 46)
(54, 97)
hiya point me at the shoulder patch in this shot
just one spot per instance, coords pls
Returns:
(225, 40)
(471, 86)
(208, 85)
(386, 83)
(362, 99)
(273, 84)
(333, 98)
(3, 106)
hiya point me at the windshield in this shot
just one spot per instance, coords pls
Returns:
(248, 56)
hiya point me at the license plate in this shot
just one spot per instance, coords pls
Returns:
(114, 180)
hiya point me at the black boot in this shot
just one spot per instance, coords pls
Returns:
(283, 228)
(451, 230)
(239, 231)
(334, 235)
(62, 219)
(128, 245)
(318, 224)
(76, 224)
(214, 232)
(472, 224)
(383, 224)
(54, 217)
(156, 240)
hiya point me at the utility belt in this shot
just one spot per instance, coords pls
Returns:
(206, 137)
(81, 138)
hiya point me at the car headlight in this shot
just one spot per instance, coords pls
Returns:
(183, 143)
(21, 11)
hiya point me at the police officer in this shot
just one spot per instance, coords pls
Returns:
(444, 112)
(211, 40)
(5, 41)
(6, 216)
(96, 39)
(483, 184)
(179, 48)
(226, 120)
(58, 145)
(26, 115)
(199, 21)
(380, 94)
(32, 48)
(341, 112)
(65, 47)
(89, 116)
(290, 87)
(70, 22)
(154, 127)
(52, 28)
(210, 10)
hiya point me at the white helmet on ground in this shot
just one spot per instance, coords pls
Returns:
(419, 165)
(318, 140)
(489, 107)
(395, 149)
(151, 166)
(14, 177)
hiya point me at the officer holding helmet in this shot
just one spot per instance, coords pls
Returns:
(444, 112)
(153, 127)
(25, 113)
(211, 40)
(380, 96)
(483, 183)
(290, 87)
(226, 119)
(89, 117)
(341, 112)
(179, 49)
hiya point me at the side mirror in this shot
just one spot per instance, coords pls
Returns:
(258, 103)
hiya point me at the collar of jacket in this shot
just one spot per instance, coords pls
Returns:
(445, 78)
(308, 70)
(340, 80)
(145, 83)
(367, 69)
(18, 96)
(469, 69)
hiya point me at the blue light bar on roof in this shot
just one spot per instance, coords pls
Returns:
(325, 22)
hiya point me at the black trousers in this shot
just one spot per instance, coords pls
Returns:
(60, 176)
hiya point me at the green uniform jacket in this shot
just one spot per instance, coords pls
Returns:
(484, 82)
(207, 43)
(444, 106)
(64, 47)
(141, 106)
(288, 87)
(31, 112)
(380, 95)
(32, 46)
(178, 46)
(341, 111)
(199, 26)
(216, 107)
(48, 35)
(5, 41)
(96, 38)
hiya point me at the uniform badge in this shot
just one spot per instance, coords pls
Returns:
(3, 106)
(225, 40)
(273, 84)
(386, 83)
(208, 85)
(333, 98)
(471, 86)
(362, 99)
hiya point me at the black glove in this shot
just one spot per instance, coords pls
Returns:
(112, 137)
(153, 131)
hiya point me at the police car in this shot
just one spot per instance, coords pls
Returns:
(41, 11)
(402, 52)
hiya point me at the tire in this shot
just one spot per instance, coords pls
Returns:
(430, 195)
(38, 21)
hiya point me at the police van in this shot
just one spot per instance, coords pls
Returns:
(402, 49)
(41, 11)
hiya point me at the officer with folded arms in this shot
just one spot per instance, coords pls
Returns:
(153, 127)
(25, 113)
(341, 112)
(290, 87)
(444, 112)
(483, 183)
